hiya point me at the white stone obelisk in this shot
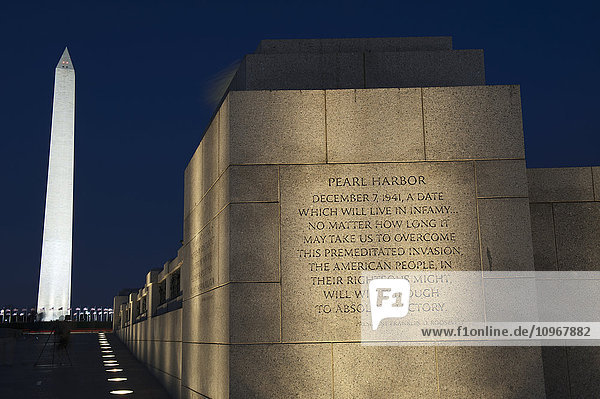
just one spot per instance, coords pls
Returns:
(54, 295)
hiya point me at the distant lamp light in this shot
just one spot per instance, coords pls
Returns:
(117, 379)
(114, 370)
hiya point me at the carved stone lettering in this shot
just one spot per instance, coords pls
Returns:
(339, 221)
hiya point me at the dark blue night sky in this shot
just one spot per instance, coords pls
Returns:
(144, 74)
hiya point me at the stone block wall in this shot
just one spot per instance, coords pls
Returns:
(565, 218)
(249, 303)
(316, 143)
(150, 324)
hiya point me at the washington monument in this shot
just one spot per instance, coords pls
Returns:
(54, 295)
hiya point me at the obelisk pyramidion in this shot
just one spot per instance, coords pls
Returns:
(54, 295)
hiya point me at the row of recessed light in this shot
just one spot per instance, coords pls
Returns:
(111, 364)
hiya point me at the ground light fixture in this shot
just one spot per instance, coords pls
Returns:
(108, 355)
(117, 379)
(121, 392)
(114, 370)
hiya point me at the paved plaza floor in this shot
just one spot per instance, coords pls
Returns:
(78, 372)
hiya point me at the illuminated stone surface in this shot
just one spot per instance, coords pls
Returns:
(577, 240)
(274, 127)
(399, 371)
(596, 175)
(490, 372)
(560, 184)
(542, 231)
(266, 313)
(377, 125)
(315, 233)
(54, 295)
(506, 178)
(473, 122)
(503, 246)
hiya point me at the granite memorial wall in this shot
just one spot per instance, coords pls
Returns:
(330, 157)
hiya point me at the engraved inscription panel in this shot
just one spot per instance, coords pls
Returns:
(338, 221)
(203, 261)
